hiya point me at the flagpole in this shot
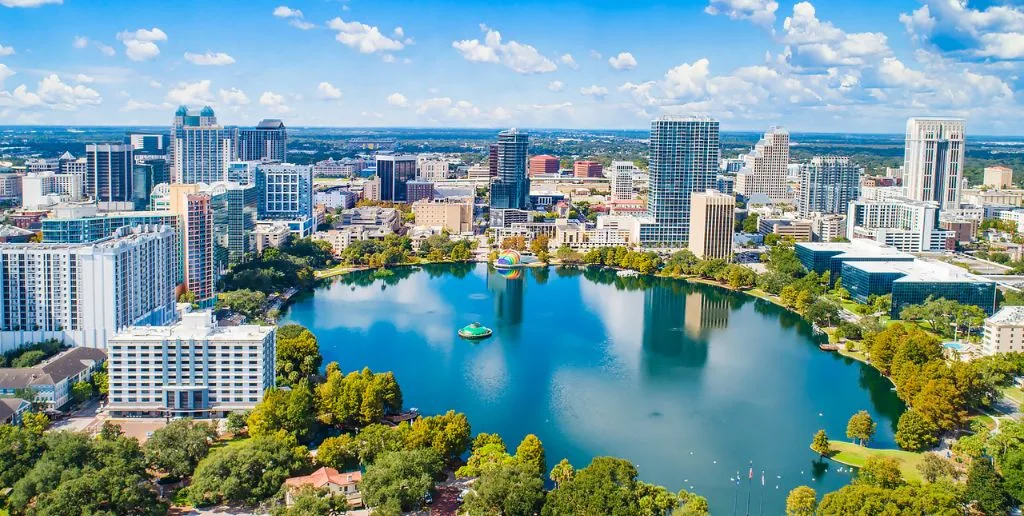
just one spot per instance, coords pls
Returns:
(736, 494)
(760, 504)
(750, 479)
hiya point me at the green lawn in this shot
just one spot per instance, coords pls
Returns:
(234, 441)
(855, 455)
(1014, 394)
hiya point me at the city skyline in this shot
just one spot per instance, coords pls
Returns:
(808, 66)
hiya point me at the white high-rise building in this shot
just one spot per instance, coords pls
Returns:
(910, 226)
(934, 160)
(432, 167)
(712, 217)
(765, 167)
(827, 185)
(621, 174)
(193, 368)
(41, 190)
(201, 150)
(84, 293)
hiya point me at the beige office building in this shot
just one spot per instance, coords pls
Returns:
(711, 224)
(456, 217)
(999, 177)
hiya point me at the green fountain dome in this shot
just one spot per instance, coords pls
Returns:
(474, 331)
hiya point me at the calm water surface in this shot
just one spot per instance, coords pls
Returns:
(694, 384)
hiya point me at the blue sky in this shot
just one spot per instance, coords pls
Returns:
(825, 65)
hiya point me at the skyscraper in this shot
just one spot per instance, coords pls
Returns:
(200, 149)
(511, 190)
(827, 185)
(621, 174)
(285, 192)
(196, 214)
(108, 176)
(683, 159)
(934, 160)
(764, 167)
(712, 216)
(267, 141)
(395, 171)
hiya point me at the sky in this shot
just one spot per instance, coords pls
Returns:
(824, 65)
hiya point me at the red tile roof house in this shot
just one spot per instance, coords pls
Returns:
(329, 478)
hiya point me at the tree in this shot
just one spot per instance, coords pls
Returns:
(249, 472)
(177, 448)
(822, 311)
(448, 434)
(655, 500)
(863, 499)
(1012, 467)
(19, 450)
(249, 303)
(606, 486)
(35, 422)
(100, 379)
(934, 467)
(81, 391)
(880, 471)
(512, 489)
(531, 453)
(340, 452)
(398, 480)
(487, 454)
(236, 422)
(539, 244)
(749, 224)
(985, 488)
(801, 501)
(821, 445)
(562, 472)
(692, 505)
(944, 316)
(298, 355)
(310, 500)
(861, 427)
(290, 410)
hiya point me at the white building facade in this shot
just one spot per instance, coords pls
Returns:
(910, 226)
(765, 167)
(934, 160)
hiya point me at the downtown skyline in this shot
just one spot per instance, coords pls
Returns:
(809, 66)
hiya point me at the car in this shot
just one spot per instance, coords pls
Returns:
(428, 498)
(462, 495)
(149, 434)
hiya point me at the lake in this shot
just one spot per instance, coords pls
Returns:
(693, 383)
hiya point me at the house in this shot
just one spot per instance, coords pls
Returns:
(52, 380)
(346, 484)
(11, 410)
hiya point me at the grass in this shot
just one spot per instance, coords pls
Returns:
(232, 442)
(985, 419)
(855, 455)
(1014, 394)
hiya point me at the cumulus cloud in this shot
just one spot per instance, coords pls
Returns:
(191, 93)
(233, 97)
(84, 79)
(5, 73)
(294, 16)
(274, 102)
(365, 38)
(960, 30)
(398, 100)
(141, 45)
(758, 12)
(28, 3)
(136, 105)
(51, 93)
(327, 91)
(569, 61)
(80, 42)
(6, 51)
(817, 44)
(598, 92)
(209, 58)
(623, 61)
(687, 79)
(517, 56)
(555, 85)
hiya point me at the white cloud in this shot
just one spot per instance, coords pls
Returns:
(364, 38)
(598, 92)
(274, 102)
(84, 79)
(446, 110)
(80, 42)
(687, 80)
(155, 84)
(233, 97)
(191, 93)
(51, 93)
(398, 100)
(6, 51)
(398, 32)
(595, 54)
(135, 105)
(294, 17)
(569, 61)
(623, 61)
(327, 91)
(141, 45)
(517, 56)
(28, 3)
(959, 30)
(818, 44)
(387, 58)
(107, 50)
(5, 73)
(758, 12)
(209, 58)
(555, 85)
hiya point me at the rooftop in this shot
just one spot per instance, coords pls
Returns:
(1013, 315)
(62, 366)
(9, 406)
(928, 271)
(324, 476)
(195, 325)
(856, 248)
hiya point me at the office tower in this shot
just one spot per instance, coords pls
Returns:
(195, 211)
(242, 172)
(200, 149)
(999, 177)
(492, 159)
(712, 217)
(234, 219)
(934, 160)
(84, 293)
(725, 183)
(764, 167)
(193, 368)
(432, 167)
(147, 143)
(586, 169)
(419, 190)
(908, 225)
(511, 190)
(543, 164)
(827, 185)
(10, 187)
(683, 160)
(40, 190)
(108, 176)
(284, 192)
(268, 141)
(621, 174)
(394, 172)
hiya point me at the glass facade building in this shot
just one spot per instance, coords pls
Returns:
(268, 141)
(913, 283)
(395, 172)
(200, 149)
(822, 257)
(511, 190)
(109, 172)
(285, 192)
(827, 185)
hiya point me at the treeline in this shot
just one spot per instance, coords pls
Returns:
(276, 270)
(397, 249)
(32, 354)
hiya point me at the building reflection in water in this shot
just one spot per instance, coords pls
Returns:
(507, 289)
(678, 319)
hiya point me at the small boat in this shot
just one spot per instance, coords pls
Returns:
(627, 274)
(475, 331)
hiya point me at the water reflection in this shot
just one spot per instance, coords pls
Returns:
(508, 297)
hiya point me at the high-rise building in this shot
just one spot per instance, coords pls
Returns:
(234, 219)
(432, 167)
(82, 294)
(193, 368)
(712, 218)
(543, 164)
(201, 150)
(586, 168)
(195, 211)
(934, 160)
(511, 190)
(827, 185)
(999, 177)
(621, 174)
(764, 167)
(40, 190)
(284, 192)
(683, 159)
(492, 159)
(419, 190)
(147, 143)
(910, 226)
(109, 172)
(268, 141)
(395, 171)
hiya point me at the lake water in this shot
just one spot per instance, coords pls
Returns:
(694, 384)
